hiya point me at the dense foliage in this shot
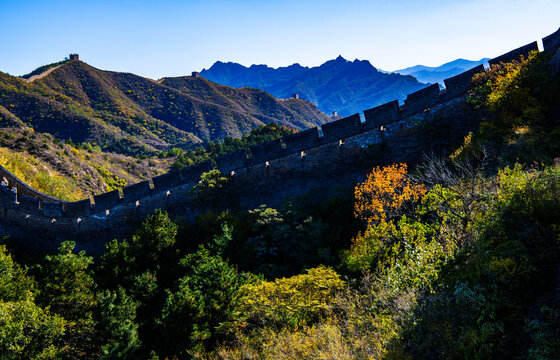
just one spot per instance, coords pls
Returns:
(522, 100)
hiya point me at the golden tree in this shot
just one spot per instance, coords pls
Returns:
(384, 193)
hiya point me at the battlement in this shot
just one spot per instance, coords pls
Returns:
(167, 181)
(23, 188)
(31, 209)
(551, 43)
(461, 83)
(382, 115)
(261, 153)
(106, 201)
(422, 99)
(137, 191)
(302, 140)
(232, 161)
(515, 54)
(191, 175)
(343, 128)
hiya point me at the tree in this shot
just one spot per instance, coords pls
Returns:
(29, 332)
(156, 235)
(385, 193)
(26, 330)
(116, 326)
(210, 183)
(292, 302)
(205, 305)
(283, 243)
(152, 245)
(15, 284)
(66, 285)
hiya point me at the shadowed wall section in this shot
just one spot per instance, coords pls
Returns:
(422, 99)
(461, 83)
(515, 54)
(342, 128)
(382, 115)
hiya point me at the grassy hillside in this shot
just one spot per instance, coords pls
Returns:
(67, 172)
(130, 114)
(71, 171)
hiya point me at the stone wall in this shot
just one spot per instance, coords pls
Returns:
(551, 43)
(515, 54)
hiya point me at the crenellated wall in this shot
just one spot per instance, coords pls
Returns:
(423, 99)
(382, 115)
(551, 43)
(515, 54)
(299, 161)
(459, 84)
(343, 128)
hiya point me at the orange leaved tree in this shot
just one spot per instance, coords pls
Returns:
(385, 193)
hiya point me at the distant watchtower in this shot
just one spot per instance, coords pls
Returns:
(295, 96)
(195, 74)
(74, 57)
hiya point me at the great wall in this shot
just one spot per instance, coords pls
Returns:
(272, 172)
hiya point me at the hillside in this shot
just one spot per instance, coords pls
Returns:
(346, 87)
(67, 171)
(428, 74)
(130, 114)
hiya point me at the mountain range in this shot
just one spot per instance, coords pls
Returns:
(428, 74)
(130, 114)
(338, 85)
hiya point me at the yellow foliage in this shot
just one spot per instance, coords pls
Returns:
(30, 170)
(384, 192)
(324, 341)
(293, 301)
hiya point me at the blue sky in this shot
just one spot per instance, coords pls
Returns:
(174, 37)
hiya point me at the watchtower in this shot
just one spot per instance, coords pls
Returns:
(74, 57)
(295, 96)
(195, 74)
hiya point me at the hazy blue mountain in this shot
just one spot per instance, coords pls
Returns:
(437, 74)
(346, 87)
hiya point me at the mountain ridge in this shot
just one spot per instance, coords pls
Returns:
(130, 114)
(338, 85)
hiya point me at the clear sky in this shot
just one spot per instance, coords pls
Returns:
(157, 38)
